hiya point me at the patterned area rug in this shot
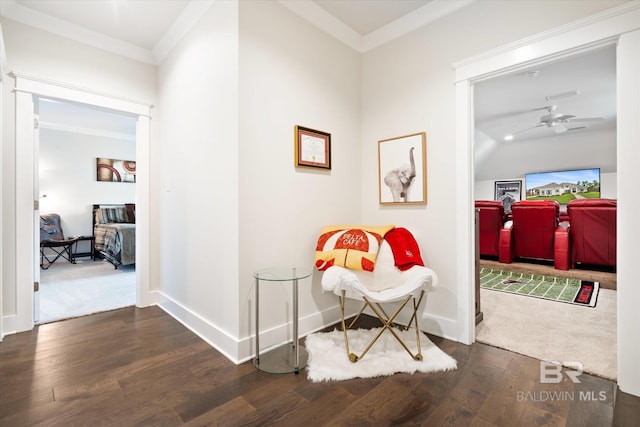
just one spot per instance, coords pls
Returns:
(572, 291)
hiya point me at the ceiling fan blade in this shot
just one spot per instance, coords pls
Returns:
(526, 129)
(586, 119)
(508, 114)
(564, 117)
(577, 128)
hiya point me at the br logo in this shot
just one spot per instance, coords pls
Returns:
(551, 372)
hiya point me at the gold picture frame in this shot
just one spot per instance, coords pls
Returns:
(402, 170)
(312, 148)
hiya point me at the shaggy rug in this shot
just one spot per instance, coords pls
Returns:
(328, 359)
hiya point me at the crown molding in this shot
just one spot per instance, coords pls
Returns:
(50, 24)
(189, 16)
(187, 19)
(325, 21)
(421, 17)
(322, 19)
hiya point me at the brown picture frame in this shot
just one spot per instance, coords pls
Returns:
(312, 148)
(402, 170)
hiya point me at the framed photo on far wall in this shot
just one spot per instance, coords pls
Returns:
(508, 192)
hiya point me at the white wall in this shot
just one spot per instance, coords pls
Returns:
(67, 164)
(292, 73)
(34, 52)
(408, 86)
(576, 150)
(628, 206)
(222, 218)
(199, 172)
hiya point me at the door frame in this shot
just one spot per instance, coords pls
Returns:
(28, 88)
(619, 25)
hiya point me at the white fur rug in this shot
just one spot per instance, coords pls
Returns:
(328, 358)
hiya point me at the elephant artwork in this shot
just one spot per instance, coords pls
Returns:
(400, 180)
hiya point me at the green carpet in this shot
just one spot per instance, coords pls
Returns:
(572, 291)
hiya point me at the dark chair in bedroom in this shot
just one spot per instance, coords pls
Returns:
(52, 240)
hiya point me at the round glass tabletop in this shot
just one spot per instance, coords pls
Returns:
(281, 274)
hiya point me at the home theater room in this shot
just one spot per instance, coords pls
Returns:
(344, 212)
(545, 191)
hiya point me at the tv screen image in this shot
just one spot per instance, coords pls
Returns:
(563, 186)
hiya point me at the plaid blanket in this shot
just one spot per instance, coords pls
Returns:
(117, 241)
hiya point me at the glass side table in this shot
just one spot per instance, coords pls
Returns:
(286, 358)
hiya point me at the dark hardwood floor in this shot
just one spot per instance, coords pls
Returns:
(133, 367)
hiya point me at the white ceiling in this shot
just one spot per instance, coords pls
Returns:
(513, 104)
(147, 30)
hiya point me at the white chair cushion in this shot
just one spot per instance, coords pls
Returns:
(385, 283)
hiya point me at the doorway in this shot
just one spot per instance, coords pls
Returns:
(29, 88)
(509, 144)
(622, 29)
(71, 139)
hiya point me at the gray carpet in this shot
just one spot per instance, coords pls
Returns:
(553, 331)
(72, 290)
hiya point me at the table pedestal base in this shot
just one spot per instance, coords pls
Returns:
(282, 360)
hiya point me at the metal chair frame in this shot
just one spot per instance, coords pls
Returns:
(61, 248)
(387, 324)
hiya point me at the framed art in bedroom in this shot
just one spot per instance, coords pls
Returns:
(402, 169)
(312, 148)
(114, 170)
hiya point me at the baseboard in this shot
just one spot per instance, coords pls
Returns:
(207, 331)
(439, 326)
(281, 334)
(8, 326)
(243, 349)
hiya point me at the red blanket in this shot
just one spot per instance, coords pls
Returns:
(406, 252)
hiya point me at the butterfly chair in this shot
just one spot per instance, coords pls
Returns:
(52, 239)
(387, 283)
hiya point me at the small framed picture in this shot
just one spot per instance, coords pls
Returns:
(312, 148)
(402, 169)
(508, 192)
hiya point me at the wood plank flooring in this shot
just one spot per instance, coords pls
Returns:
(133, 367)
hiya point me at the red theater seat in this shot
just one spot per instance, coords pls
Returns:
(491, 220)
(535, 234)
(593, 231)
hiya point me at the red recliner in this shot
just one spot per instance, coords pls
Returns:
(491, 220)
(535, 233)
(593, 231)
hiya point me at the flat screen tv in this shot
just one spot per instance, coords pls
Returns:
(563, 186)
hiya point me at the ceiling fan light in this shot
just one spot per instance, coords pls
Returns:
(508, 137)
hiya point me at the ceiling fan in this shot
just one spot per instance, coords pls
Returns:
(557, 121)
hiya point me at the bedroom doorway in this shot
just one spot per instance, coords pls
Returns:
(28, 89)
(70, 139)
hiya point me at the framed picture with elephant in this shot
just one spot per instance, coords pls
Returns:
(402, 169)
